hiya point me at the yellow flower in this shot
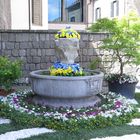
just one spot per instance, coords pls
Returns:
(78, 36)
(64, 72)
(59, 71)
(56, 36)
(69, 70)
(53, 72)
(67, 33)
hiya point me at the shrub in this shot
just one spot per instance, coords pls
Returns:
(123, 41)
(9, 72)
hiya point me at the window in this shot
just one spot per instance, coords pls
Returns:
(37, 12)
(98, 13)
(65, 11)
(115, 8)
(72, 19)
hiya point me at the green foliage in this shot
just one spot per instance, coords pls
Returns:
(72, 125)
(123, 40)
(9, 72)
(94, 64)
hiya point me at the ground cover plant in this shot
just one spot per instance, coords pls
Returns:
(114, 110)
(80, 134)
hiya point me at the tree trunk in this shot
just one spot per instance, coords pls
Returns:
(121, 68)
(120, 61)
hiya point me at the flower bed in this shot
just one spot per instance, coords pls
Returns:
(121, 78)
(62, 69)
(67, 33)
(114, 110)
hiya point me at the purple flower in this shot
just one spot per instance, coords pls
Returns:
(118, 104)
(92, 113)
(15, 100)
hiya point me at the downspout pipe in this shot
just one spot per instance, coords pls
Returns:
(89, 3)
(29, 9)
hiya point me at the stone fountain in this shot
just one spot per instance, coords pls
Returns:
(66, 91)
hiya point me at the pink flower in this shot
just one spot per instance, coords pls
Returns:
(118, 104)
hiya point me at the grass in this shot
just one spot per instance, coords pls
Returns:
(86, 135)
(137, 97)
(81, 134)
(9, 127)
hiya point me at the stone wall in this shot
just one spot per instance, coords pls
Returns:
(36, 48)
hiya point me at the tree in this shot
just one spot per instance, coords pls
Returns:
(123, 40)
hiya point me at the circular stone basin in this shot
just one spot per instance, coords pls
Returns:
(66, 87)
(59, 90)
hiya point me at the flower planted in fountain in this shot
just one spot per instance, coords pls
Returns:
(65, 83)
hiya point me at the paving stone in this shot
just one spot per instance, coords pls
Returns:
(85, 51)
(11, 37)
(90, 51)
(43, 66)
(42, 37)
(22, 37)
(15, 52)
(4, 121)
(33, 52)
(17, 45)
(32, 67)
(36, 60)
(38, 52)
(37, 66)
(50, 52)
(84, 37)
(9, 45)
(36, 44)
(8, 53)
(22, 53)
(25, 45)
(34, 37)
(29, 59)
(4, 36)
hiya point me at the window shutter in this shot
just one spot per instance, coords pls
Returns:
(37, 12)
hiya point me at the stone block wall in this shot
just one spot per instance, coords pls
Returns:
(36, 48)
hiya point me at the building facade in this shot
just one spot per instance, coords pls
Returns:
(114, 8)
(47, 14)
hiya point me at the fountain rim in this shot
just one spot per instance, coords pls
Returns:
(36, 74)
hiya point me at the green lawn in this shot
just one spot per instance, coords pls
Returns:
(81, 134)
(9, 127)
(86, 135)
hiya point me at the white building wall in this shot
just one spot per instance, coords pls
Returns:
(19, 14)
(133, 5)
(106, 8)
